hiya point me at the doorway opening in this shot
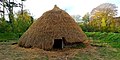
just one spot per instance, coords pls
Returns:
(58, 44)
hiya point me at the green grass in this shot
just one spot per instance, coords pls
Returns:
(104, 36)
(102, 53)
(107, 39)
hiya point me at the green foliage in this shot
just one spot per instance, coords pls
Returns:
(5, 27)
(86, 27)
(19, 24)
(86, 17)
(9, 36)
(22, 22)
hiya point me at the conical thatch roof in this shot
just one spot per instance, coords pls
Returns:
(53, 24)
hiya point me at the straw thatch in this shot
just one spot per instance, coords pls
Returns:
(53, 24)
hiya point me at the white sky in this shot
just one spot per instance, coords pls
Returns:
(73, 7)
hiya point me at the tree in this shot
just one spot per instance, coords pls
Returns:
(107, 9)
(102, 16)
(86, 17)
(2, 4)
(22, 21)
(77, 18)
(17, 24)
(85, 26)
(8, 6)
(4, 26)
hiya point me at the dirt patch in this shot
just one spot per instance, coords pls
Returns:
(66, 53)
(13, 52)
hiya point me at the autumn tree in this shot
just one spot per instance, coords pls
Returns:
(102, 16)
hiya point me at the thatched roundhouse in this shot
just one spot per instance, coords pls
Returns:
(55, 28)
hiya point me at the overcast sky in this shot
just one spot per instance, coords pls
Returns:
(73, 7)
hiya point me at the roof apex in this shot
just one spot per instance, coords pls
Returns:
(56, 8)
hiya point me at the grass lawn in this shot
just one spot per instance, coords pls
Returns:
(101, 53)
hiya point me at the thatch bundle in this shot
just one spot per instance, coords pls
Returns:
(53, 24)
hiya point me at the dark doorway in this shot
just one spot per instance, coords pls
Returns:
(58, 44)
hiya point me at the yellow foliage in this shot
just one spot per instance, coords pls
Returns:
(103, 24)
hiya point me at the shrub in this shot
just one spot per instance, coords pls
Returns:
(9, 36)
